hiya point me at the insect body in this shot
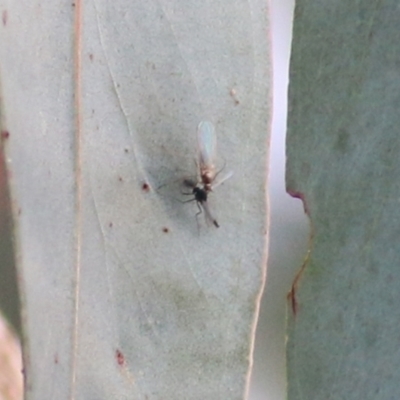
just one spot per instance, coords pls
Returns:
(200, 196)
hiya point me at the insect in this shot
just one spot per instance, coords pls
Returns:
(207, 146)
(201, 186)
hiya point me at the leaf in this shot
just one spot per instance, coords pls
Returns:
(11, 384)
(343, 161)
(8, 283)
(123, 297)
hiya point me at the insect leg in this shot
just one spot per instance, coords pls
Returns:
(197, 216)
(188, 201)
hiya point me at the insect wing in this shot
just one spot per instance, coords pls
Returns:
(207, 143)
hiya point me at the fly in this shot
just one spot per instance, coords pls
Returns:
(205, 182)
(207, 150)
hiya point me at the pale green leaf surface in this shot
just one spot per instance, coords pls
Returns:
(343, 160)
(99, 98)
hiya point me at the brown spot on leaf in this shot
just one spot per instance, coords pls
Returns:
(119, 357)
(5, 134)
(233, 94)
(4, 17)
(291, 296)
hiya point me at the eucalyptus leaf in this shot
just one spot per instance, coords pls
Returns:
(125, 294)
(343, 161)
